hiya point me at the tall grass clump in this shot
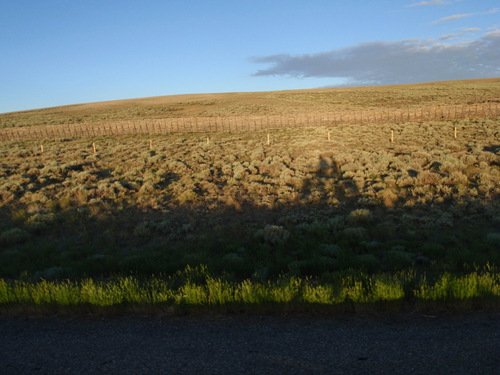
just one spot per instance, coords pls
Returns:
(453, 287)
(208, 292)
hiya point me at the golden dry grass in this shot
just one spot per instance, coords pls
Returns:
(265, 103)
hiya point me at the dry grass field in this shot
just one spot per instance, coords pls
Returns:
(328, 201)
(400, 97)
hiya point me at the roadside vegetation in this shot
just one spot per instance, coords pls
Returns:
(195, 290)
(387, 215)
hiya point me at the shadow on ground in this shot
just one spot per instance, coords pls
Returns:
(328, 228)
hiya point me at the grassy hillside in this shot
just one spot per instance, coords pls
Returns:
(265, 103)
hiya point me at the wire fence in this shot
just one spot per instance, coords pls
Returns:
(253, 123)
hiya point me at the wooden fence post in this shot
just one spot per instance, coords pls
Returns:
(93, 146)
(268, 139)
(392, 136)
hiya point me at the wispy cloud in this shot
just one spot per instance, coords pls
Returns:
(404, 61)
(471, 29)
(458, 16)
(431, 2)
(451, 36)
(453, 17)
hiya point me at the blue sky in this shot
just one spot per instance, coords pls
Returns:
(56, 52)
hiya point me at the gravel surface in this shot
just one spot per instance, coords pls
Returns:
(399, 344)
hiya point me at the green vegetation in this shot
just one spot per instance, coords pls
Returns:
(320, 216)
(194, 289)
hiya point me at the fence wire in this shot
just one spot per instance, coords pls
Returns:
(252, 123)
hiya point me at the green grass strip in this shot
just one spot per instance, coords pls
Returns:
(291, 291)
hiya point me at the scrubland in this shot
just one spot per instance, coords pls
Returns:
(355, 207)
(399, 214)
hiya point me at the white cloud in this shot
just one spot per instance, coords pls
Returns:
(404, 61)
(431, 2)
(450, 36)
(458, 16)
(471, 29)
(494, 34)
(453, 17)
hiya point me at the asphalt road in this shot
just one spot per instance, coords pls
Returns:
(396, 344)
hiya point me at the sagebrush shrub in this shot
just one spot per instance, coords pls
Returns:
(273, 234)
(360, 216)
(13, 236)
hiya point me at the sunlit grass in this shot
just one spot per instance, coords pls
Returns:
(453, 287)
(483, 285)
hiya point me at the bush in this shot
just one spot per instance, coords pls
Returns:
(273, 234)
(493, 238)
(40, 222)
(359, 217)
(13, 236)
(312, 267)
(366, 262)
(355, 233)
(395, 259)
(54, 273)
